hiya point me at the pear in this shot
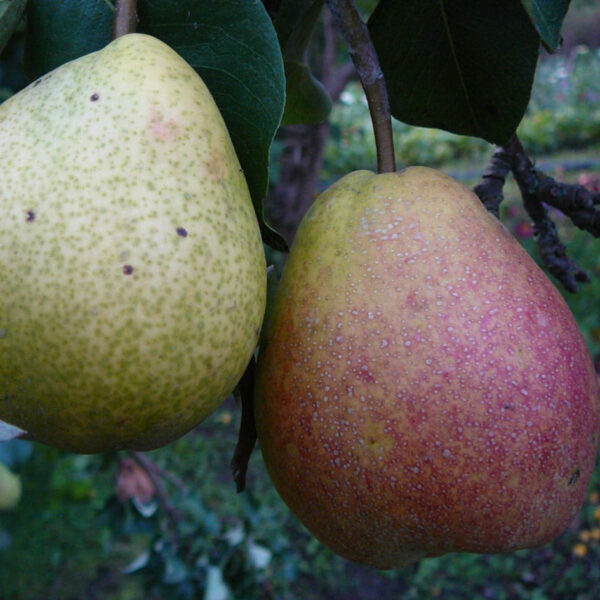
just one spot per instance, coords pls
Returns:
(10, 488)
(133, 272)
(423, 387)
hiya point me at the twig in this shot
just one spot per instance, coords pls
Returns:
(367, 65)
(343, 76)
(490, 189)
(552, 251)
(247, 434)
(575, 201)
(538, 191)
(125, 20)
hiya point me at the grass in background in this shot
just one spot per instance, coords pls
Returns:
(72, 539)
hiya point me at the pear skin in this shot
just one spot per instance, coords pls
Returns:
(133, 272)
(422, 387)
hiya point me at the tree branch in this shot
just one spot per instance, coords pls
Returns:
(343, 76)
(538, 190)
(125, 20)
(575, 201)
(490, 189)
(367, 65)
(552, 251)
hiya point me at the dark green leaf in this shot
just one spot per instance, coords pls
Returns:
(289, 16)
(11, 12)
(307, 101)
(61, 30)
(231, 43)
(466, 66)
(547, 17)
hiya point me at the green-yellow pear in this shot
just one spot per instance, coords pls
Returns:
(422, 388)
(10, 488)
(132, 269)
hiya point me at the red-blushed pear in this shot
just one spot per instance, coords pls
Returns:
(132, 268)
(422, 387)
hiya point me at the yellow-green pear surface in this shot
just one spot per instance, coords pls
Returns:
(423, 387)
(132, 270)
(10, 488)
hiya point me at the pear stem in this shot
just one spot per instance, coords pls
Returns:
(125, 20)
(364, 57)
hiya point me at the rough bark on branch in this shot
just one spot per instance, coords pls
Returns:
(552, 251)
(538, 191)
(490, 189)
